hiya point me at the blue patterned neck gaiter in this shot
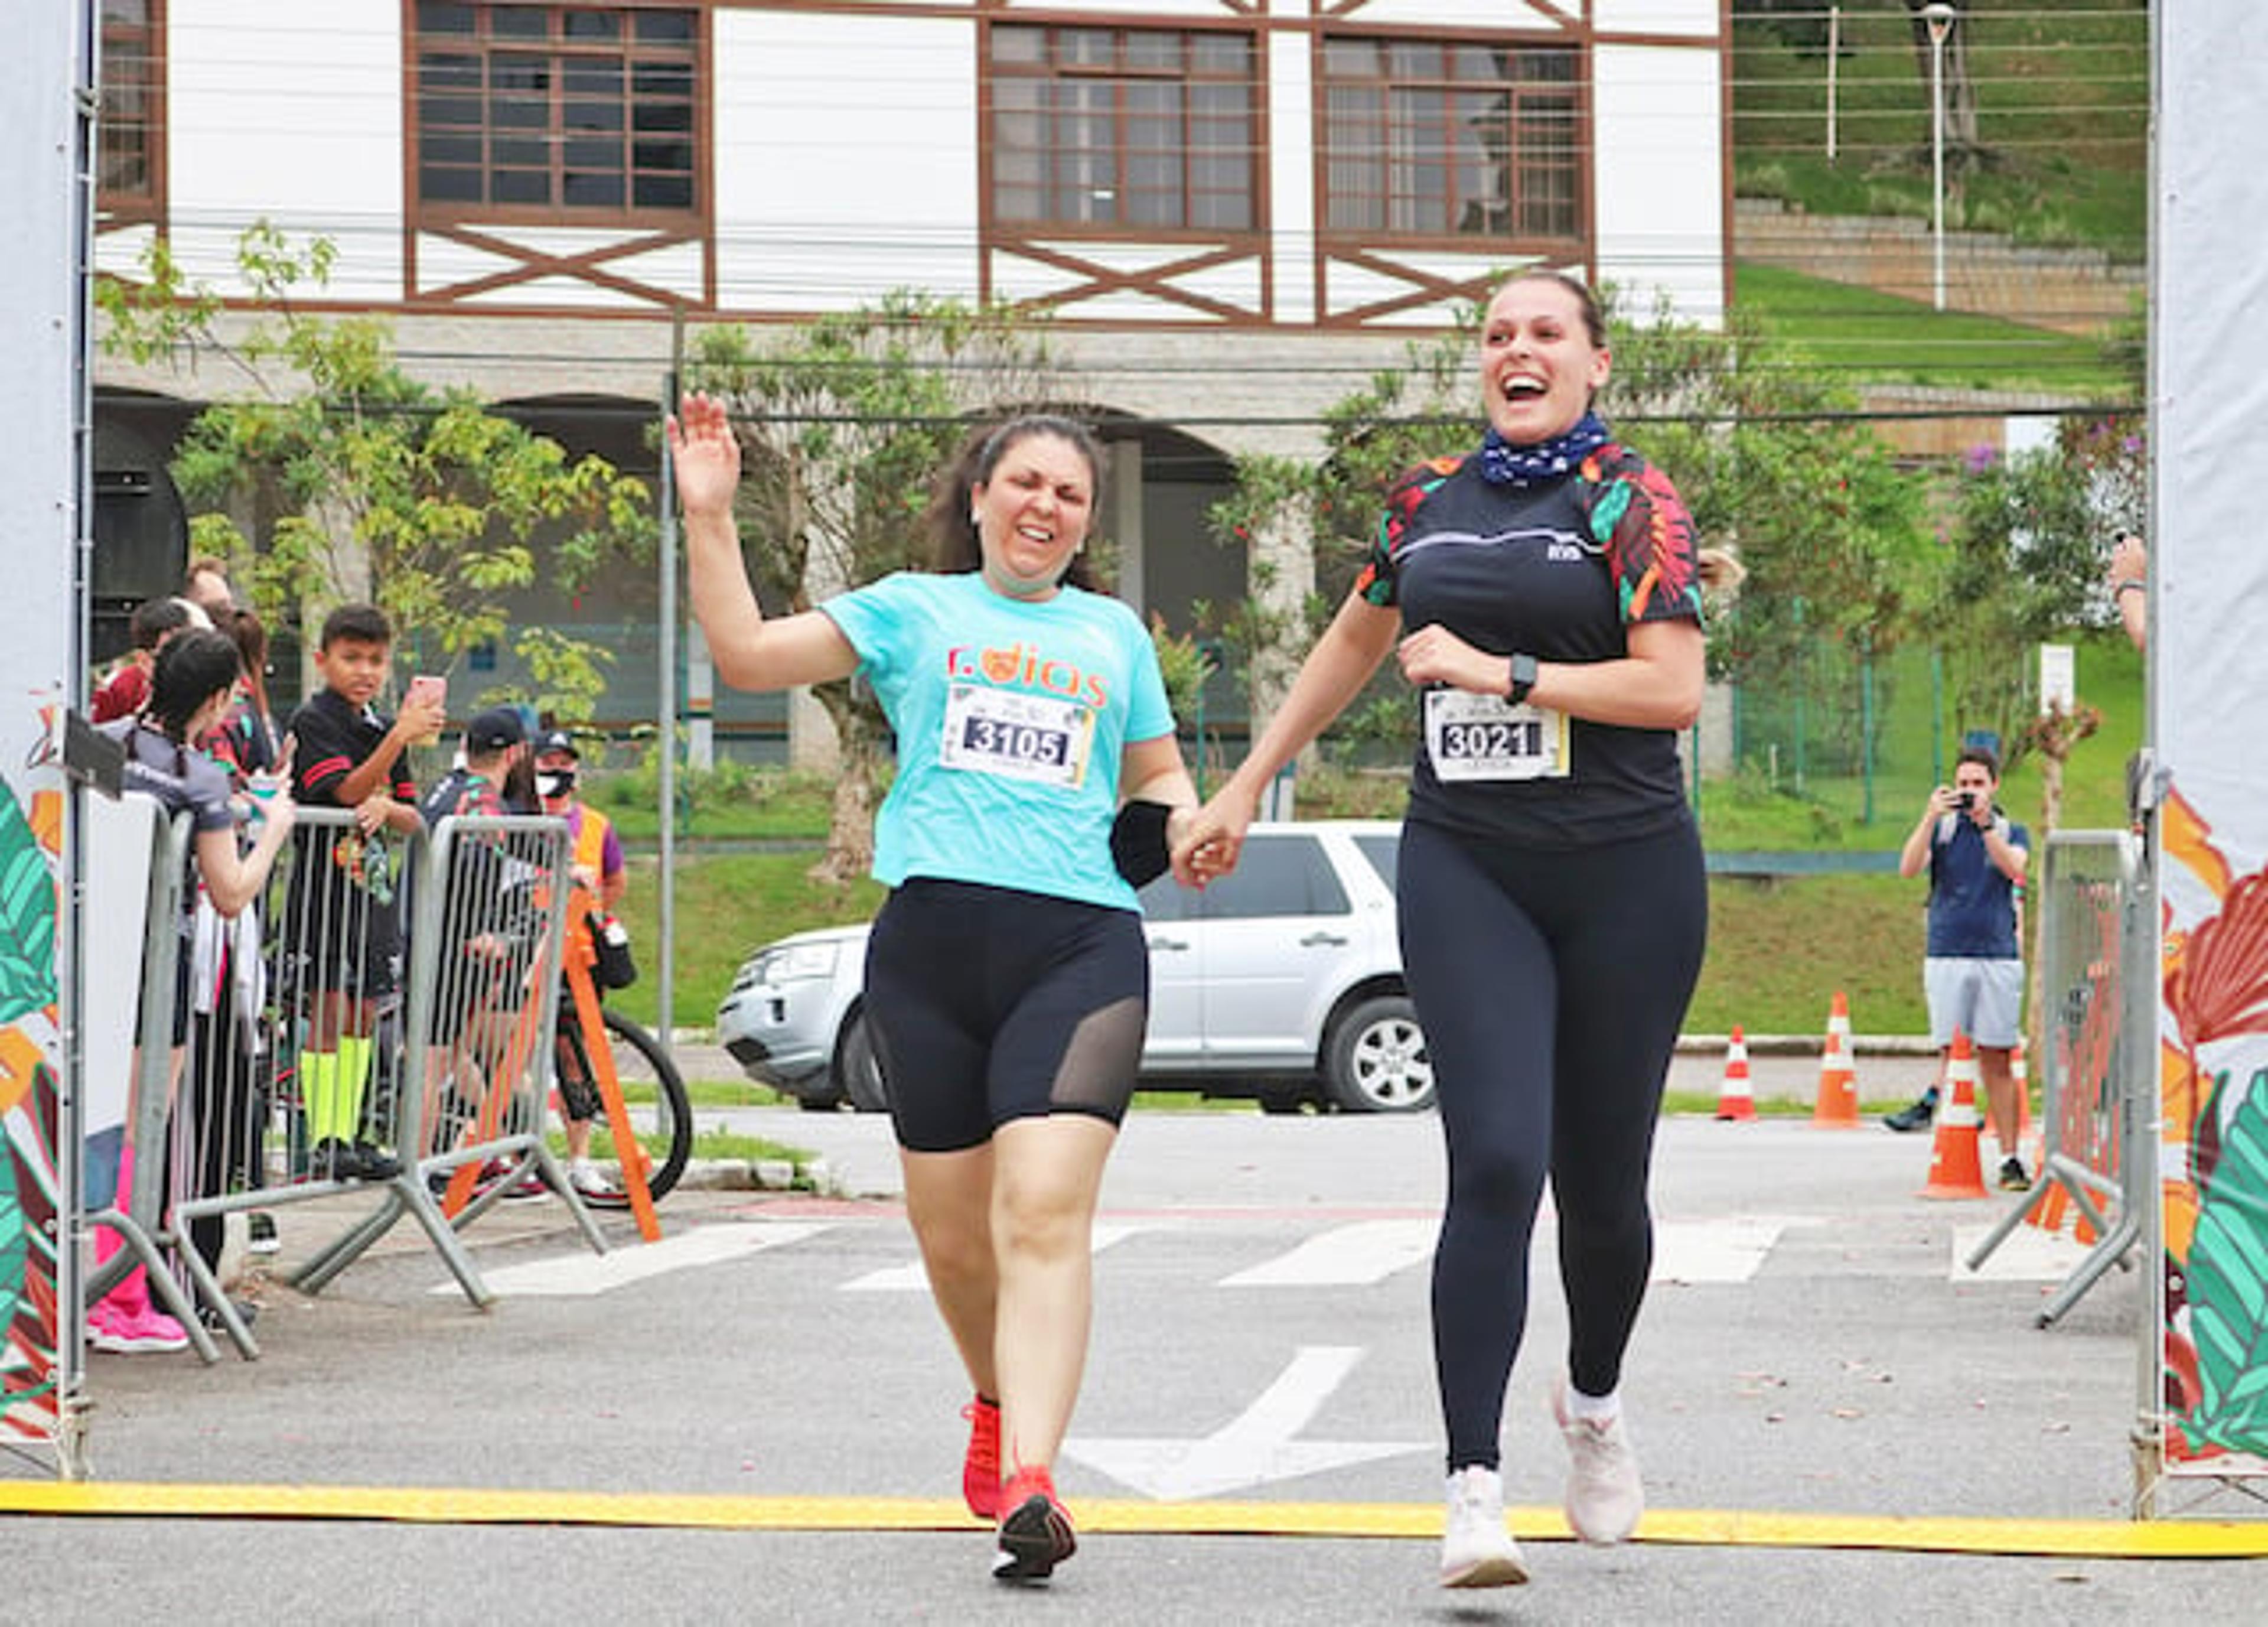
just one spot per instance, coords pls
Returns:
(1503, 464)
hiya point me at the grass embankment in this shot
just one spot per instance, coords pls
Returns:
(2062, 96)
(1881, 337)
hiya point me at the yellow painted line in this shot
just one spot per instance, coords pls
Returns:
(2099, 1539)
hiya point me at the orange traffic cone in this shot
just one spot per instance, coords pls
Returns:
(2048, 1214)
(1837, 1106)
(1736, 1099)
(1954, 1169)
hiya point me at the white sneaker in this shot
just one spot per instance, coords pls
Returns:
(590, 1182)
(1604, 1495)
(1476, 1549)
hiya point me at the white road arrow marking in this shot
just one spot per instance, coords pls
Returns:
(1253, 1448)
(1713, 1251)
(583, 1274)
(914, 1278)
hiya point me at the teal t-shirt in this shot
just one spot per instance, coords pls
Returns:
(1011, 718)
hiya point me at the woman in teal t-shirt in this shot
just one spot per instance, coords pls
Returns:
(1007, 982)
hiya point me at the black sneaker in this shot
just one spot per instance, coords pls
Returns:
(374, 1163)
(1036, 1535)
(1917, 1116)
(246, 1312)
(259, 1228)
(2012, 1178)
(333, 1160)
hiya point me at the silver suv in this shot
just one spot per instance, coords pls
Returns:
(1282, 981)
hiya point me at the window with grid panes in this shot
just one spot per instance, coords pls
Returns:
(1446, 139)
(565, 112)
(1130, 129)
(130, 126)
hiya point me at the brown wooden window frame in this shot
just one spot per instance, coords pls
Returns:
(130, 128)
(524, 167)
(1541, 121)
(1069, 81)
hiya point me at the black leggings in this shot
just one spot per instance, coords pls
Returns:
(1551, 985)
(988, 1004)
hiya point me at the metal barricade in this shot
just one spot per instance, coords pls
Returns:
(484, 990)
(308, 1075)
(131, 833)
(2090, 1106)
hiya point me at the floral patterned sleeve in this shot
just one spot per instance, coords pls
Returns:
(1376, 583)
(1642, 522)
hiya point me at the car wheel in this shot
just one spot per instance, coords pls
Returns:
(858, 1067)
(1375, 1060)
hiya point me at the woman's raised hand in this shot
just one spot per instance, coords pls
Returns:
(705, 454)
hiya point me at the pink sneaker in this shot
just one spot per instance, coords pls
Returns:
(138, 1333)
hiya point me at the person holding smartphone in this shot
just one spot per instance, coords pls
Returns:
(1973, 972)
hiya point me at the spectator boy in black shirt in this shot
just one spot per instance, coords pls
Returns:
(343, 918)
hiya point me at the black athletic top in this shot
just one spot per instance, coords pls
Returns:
(1558, 569)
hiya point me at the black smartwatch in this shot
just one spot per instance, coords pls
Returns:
(1523, 678)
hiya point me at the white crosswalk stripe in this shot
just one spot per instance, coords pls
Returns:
(912, 1277)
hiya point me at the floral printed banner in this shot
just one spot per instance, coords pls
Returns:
(41, 417)
(2209, 676)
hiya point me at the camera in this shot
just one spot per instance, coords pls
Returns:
(1964, 799)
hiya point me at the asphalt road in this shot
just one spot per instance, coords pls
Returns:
(1810, 1349)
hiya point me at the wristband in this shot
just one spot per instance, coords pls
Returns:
(1138, 842)
(2132, 584)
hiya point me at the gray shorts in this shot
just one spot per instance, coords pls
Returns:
(1984, 999)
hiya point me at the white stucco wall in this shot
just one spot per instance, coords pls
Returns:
(1698, 17)
(290, 112)
(1658, 172)
(845, 158)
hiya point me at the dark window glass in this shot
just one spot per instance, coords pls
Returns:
(571, 109)
(1428, 140)
(434, 18)
(1385, 856)
(1149, 129)
(1276, 875)
(130, 129)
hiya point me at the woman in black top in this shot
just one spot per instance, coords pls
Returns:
(1542, 595)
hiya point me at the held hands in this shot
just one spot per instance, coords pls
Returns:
(705, 454)
(1433, 655)
(1205, 842)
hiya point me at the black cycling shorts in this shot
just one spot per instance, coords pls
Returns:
(989, 1005)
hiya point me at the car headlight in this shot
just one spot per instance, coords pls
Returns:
(793, 962)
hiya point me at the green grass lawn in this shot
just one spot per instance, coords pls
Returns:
(2062, 96)
(1861, 334)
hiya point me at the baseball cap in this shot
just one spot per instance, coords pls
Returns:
(557, 740)
(494, 729)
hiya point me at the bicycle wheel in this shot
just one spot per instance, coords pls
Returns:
(660, 1109)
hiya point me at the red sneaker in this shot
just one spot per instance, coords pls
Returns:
(980, 1470)
(1035, 1534)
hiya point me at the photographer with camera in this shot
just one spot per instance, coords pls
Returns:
(1973, 972)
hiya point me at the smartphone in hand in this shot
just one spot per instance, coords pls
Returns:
(429, 688)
